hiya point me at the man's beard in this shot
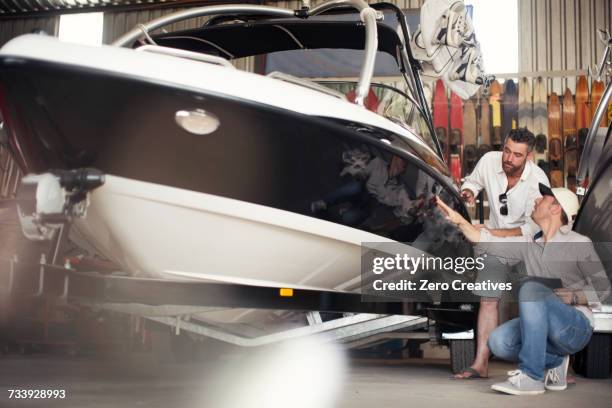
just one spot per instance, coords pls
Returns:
(512, 170)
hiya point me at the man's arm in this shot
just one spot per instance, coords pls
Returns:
(498, 247)
(475, 181)
(503, 233)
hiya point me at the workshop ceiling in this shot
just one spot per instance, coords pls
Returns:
(36, 7)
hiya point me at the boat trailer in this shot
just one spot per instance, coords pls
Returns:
(174, 303)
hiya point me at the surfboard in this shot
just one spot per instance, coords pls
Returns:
(569, 139)
(555, 143)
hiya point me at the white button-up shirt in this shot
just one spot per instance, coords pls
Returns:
(489, 174)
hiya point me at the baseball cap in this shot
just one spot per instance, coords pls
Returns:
(566, 198)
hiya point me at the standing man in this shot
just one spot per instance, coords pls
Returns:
(511, 182)
(552, 323)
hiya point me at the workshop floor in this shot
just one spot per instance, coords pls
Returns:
(135, 381)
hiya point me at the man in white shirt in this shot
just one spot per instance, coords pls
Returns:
(511, 182)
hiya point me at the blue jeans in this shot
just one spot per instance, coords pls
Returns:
(545, 331)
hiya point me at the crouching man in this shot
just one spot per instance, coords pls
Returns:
(552, 323)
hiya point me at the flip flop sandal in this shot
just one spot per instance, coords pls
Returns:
(474, 375)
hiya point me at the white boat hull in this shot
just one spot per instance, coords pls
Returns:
(164, 232)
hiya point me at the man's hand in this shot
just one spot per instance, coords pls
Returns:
(468, 196)
(572, 297)
(471, 233)
(450, 214)
(566, 295)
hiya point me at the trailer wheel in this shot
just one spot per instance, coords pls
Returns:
(594, 360)
(462, 353)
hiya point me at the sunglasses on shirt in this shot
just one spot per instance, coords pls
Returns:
(503, 198)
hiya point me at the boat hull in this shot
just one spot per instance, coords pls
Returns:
(164, 232)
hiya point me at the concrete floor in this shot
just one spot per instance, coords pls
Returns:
(139, 381)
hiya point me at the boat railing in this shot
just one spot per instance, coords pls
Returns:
(175, 52)
(367, 15)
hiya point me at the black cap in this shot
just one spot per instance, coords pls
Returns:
(545, 190)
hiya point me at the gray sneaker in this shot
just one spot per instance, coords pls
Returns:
(520, 383)
(556, 378)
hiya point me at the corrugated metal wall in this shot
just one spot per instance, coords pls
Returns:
(559, 35)
(118, 23)
(13, 27)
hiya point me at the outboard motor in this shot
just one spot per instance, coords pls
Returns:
(46, 202)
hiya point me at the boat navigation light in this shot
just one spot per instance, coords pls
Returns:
(197, 121)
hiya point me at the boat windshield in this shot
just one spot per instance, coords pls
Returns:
(388, 101)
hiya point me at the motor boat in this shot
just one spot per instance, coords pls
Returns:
(236, 176)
